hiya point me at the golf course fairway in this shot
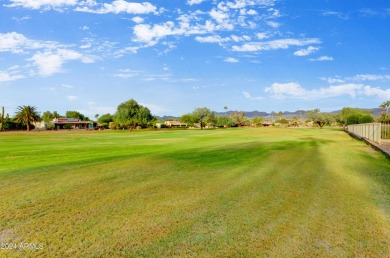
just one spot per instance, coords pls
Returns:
(239, 192)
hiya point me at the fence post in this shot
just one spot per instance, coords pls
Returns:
(371, 131)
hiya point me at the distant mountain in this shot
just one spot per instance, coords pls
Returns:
(167, 118)
(251, 114)
(286, 114)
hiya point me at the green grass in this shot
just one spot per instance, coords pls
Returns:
(225, 193)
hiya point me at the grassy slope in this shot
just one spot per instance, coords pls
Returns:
(236, 192)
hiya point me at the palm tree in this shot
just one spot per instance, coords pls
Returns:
(385, 105)
(273, 116)
(280, 114)
(27, 115)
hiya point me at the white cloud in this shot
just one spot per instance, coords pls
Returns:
(47, 56)
(67, 86)
(370, 77)
(18, 44)
(50, 62)
(231, 60)
(247, 95)
(138, 19)
(335, 14)
(218, 15)
(151, 35)
(307, 51)
(211, 39)
(12, 42)
(378, 92)
(121, 6)
(192, 2)
(236, 38)
(72, 98)
(322, 58)
(222, 18)
(127, 73)
(281, 90)
(6, 76)
(262, 35)
(154, 108)
(92, 108)
(21, 19)
(295, 90)
(251, 12)
(274, 44)
(358, 78)
(273, 24)
(38, 4)
(332, 80)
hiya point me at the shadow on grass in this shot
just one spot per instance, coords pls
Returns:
(237, 154)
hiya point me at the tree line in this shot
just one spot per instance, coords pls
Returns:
(131, 115)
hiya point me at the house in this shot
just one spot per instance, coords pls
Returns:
(43, 125)
(266, 124)
(175, 124)
(73, 123)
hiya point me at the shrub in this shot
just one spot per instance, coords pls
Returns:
(68, 126)
(50, 127)
(359, 119)
(384, 118)
(283, 121)
(112, 125)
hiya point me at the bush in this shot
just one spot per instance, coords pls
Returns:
(282, 121)
(50, 127)
(384, 118)
(68, 126)
(112, 125)
(359, 119)
(366, 119)
(104, 125)
(10, 126)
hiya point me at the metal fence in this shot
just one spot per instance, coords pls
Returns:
(372, 131)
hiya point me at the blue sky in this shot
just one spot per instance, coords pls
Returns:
(174, 56)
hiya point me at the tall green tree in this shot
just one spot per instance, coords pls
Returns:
(49, 116)
(385, 105)
(320, 118)
(77, 115)
(280, 114)
(273, 114)
(203, 116)
(188, 119)
(105, 120)
(27, 115)
(359, 119)
(349, 115)
(257, 120)
(238, 117)
(224, 121)
(131, 114)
